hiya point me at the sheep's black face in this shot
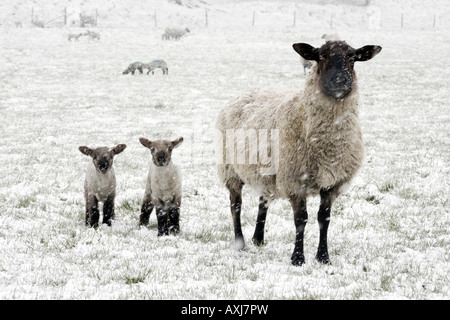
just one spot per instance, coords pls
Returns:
(103, 157)
(335, 61)
(161, 150)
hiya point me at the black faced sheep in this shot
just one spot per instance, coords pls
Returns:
(318, 147)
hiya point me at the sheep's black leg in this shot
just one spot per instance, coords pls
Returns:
(323, 218)
(108, 209)
(300, 218)
(140, 70)
(235, 188)
(146, 210)
(174, 220)
(258, 236)
(94, 214)
(161, 215)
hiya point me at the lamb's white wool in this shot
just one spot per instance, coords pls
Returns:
(164, 184)
(98, 184)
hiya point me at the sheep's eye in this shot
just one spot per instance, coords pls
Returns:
(321, 57)
(170, 148)
(152, 149)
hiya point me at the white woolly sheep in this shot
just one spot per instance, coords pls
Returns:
(174, 33)
(156, 64)
(163, 189)
(75, 36)
(316, 143)
(92, 35)
(132, 67)
(100, 183)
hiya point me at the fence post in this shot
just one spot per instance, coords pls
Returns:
(65, 16)
(96, 17)
(206, 18)
(32, 15)
(401, 23)
(253, 22)
(294, 18)
(155, 19)
(434, 20)
(331, 21)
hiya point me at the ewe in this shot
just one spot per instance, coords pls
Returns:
(319, 147)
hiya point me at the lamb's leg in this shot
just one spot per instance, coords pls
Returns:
(140, 70)
(323, 217)
(235, 185)
(108, 209)
(146, 210)
(161, 215)
(298, 204)
(94, 214)
(174, 220)
(258, 236)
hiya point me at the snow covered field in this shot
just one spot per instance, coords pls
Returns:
(389, 236)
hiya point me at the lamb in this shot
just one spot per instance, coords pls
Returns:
(133, 67)
(175, 33)
(163, 189)
(156, 64)
(316, 143)
(75, 36)
(92, 35)
(100, 183)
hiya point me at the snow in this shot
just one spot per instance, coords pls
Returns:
(388, 235)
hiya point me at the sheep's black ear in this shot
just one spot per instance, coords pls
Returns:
(177, 142)
(307, 51)
(118, 149)
(366, 53)
(85, 150)
(145, 142)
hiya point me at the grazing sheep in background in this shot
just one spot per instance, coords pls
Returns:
(100, 183)
(331, 37)
(163, 189)
(319, 147)
(92, 35)
(133, 67)
(75, 36)
(156, 64)
(174, 33)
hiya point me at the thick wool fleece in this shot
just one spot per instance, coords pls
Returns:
(320, 141)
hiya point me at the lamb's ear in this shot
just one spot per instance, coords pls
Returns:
(145, 142)
(177, 142)
(118, 149)
(85, 150)
(366, 53)
(307, 51)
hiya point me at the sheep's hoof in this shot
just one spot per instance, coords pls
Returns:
(258, 242)
(297, 259)
(174, 230)
(323, 258)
